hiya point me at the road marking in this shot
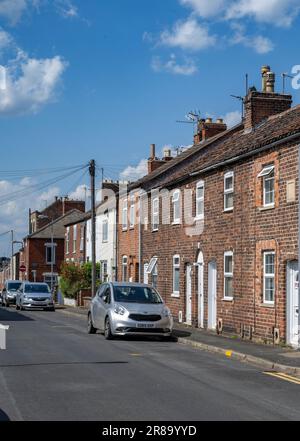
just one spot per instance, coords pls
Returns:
(228, 354)
(283, 376)
(136, 355)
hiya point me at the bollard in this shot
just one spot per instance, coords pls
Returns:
(3, 330)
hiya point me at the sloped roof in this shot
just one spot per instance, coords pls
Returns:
(239, 142)
(58, 226)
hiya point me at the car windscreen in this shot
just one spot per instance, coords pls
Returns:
(13, 286)
(36, 288)
(136, 294)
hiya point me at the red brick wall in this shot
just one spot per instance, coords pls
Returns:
(35, 252)
(79, 255)
(247, 231)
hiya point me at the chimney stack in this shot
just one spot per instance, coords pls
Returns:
(207, 129)
(261, 105)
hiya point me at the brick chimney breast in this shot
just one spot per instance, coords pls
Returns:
(261, 105)
(207, 129)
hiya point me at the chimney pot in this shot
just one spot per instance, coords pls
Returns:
(208, 120)
(264, 71)
(152, 151)
(220, 121)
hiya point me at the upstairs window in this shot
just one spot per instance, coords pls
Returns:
(50, 254)
(200, 200)
(68, 240)
(74, 238)
(268, 176)
(228, 191)
(132, 212)
(155, 214)
(176, 207)
(105, 230)
(82, 238)
(125, 215)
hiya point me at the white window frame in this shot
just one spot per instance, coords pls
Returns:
(125, 215)
(228, 191)
(176, 268)
(268, 276)
(74, 238)
(132, 212)
(155, 214)
(105, 230)
(124, 265)
(68, 240)
(53, 253)
(228, 275)
(200, 199)
(81, 237)
(151, 265)
(269, 177)
(176, 200)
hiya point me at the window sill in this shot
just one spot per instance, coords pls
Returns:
(227, 299)
(175, 295)
(198, 218)
(176, 222)
(228, 210)
(155, 230)
(271, 207)
(268, 305)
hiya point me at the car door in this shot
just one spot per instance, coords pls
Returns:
(105, 305)
(97, 306)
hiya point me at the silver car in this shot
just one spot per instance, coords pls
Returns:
(129, 309)
(9, 292)
(34, 296)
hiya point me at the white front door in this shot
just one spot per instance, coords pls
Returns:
(292, 310)
(188, 295)
(212, 295)
(200, 291)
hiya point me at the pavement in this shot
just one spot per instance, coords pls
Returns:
(53, 370)
(278, 358)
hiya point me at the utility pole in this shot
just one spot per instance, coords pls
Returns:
(12, 255)
(93, 220)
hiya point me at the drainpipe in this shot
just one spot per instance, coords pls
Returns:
(298, 243)
(140, 242)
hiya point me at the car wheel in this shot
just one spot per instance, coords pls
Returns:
(17, 307)
(107, 330)
(91, 329)
(7, 305)
(21, 307)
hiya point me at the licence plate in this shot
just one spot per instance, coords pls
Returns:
(145, 325)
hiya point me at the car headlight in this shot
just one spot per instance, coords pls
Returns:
(166, 313)
(118, 309)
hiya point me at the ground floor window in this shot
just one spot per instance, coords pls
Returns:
(124, 268)
(104, 271)
(228, 275)
(176, 275)
(269, 277)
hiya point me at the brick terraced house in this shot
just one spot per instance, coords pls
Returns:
(227, 259)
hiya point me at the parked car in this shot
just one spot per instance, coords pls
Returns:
(9, 292)
(34, 296)
(129, 309)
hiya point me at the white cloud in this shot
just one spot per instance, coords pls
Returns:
(233, 118)
(172, 66)
(205, 8)
(133, 173)
(277, 12)
(66, 8)
(12, 10)
(80, 193)
(30, 83)
(189, 34)
(260, 44)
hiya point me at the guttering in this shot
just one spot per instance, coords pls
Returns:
(246, 155)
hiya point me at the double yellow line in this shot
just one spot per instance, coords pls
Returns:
(285, 377)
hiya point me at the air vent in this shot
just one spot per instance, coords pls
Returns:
(276, 336)
(220, 326)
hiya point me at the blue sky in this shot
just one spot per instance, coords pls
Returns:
(104, 79)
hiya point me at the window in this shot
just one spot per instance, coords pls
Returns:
(74, 238)
(268, 176)
(176, 275)
(68, 240)
(104, 271)
(176, 207)
(124, 268)
(124, 215)
(228, 191)
(105, 230)
(155, 214)
(50, 254)
(146, 273)
(228, 275)
(132, 212)
(269, 278)
(154, 276)
(82, 238)
(200, 200)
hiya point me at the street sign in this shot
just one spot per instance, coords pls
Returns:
(22, 268)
